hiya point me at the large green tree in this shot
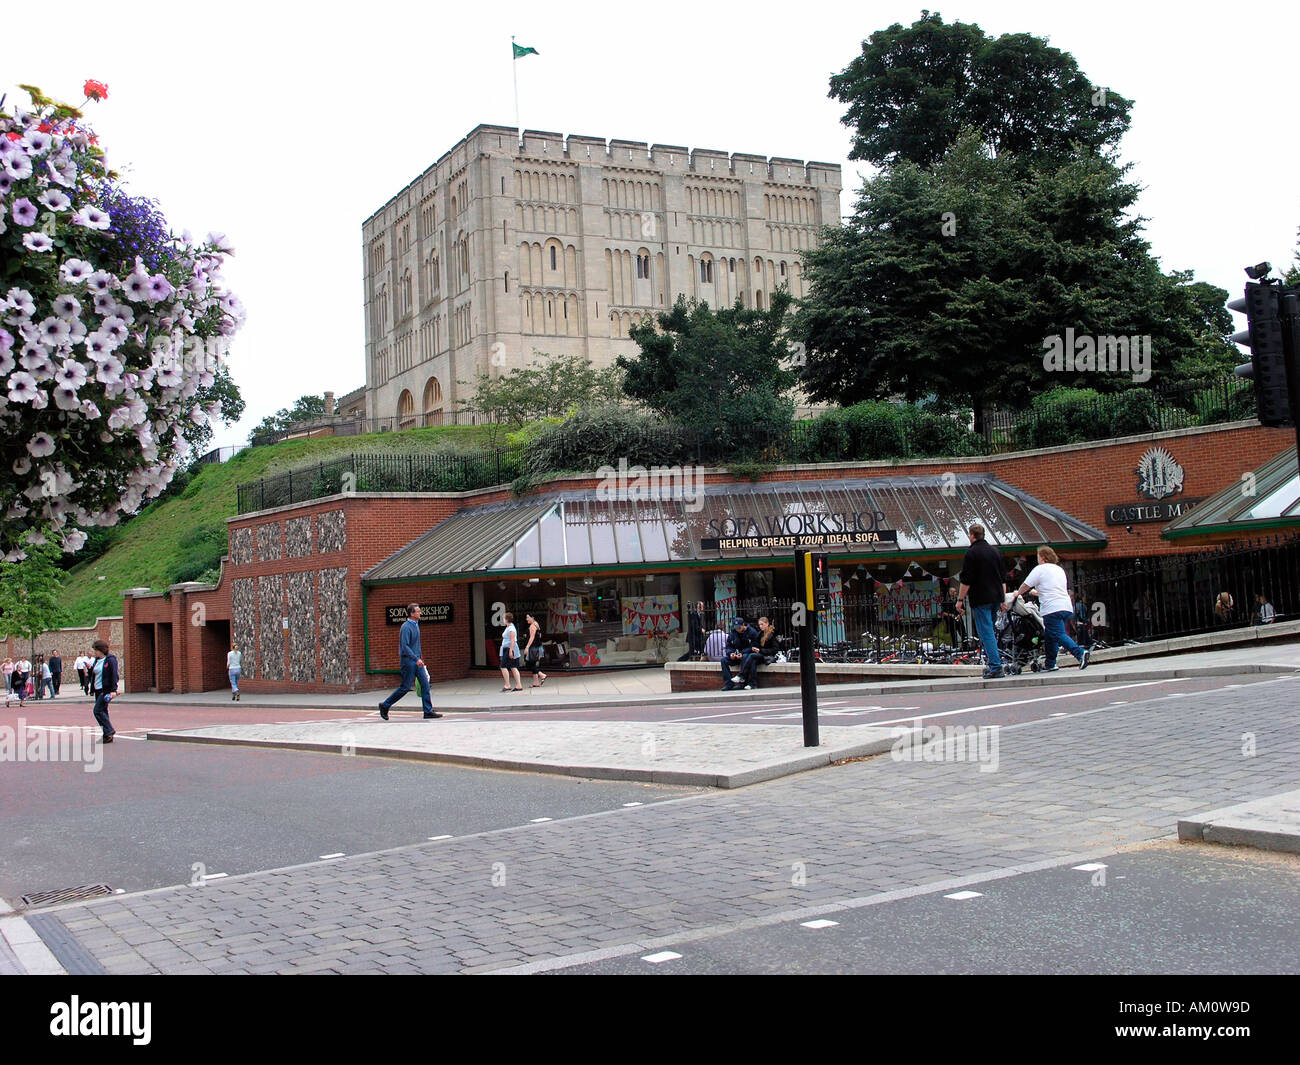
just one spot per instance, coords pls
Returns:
(913, 90)
(552, 387)
(947, 280)
(725, 372)
(31, 593)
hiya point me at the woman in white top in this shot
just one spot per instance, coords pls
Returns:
(1054, 605)
(234, 666)
(510, 656)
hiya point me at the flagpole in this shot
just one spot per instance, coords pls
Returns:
(514, 68)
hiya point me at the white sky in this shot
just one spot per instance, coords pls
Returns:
(286, 125)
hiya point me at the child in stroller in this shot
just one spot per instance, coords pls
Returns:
(1020, 634)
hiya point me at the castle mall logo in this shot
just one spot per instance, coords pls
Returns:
(1159, 476)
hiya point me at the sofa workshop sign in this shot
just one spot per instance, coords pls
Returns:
(430, 613)
(798, 530)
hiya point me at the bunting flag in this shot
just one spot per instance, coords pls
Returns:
(520, 51)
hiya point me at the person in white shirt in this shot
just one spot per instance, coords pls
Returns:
(234, 666)
(1264, 614)
(82, 666)
(1054, 604)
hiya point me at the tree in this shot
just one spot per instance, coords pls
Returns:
(31, 593)
(720, 372)
(947, 281)
(914, 89)
(553, 387)
(273, 426)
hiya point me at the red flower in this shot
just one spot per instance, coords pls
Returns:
(14, 136)
(45, 127)
(95, 90)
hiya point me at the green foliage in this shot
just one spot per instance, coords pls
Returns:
(947, 280)
(601, 436)
(31, 593)
(723, 373)
(273, 426)
(224, 392)
(913, 90)
(876, 430)
(549, 389)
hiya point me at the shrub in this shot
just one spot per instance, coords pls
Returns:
(603, 435)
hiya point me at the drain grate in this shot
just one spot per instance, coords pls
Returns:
(73, 894)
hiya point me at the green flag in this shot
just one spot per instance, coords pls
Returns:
(521, 51)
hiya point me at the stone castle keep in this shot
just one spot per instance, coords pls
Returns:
(501, 251)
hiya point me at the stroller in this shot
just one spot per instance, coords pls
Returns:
(1020, 635)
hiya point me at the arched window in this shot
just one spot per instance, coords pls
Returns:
(405, 410)
(706, 270)
(758, 299)
(552, 256)
(783, 268)
(432, 402)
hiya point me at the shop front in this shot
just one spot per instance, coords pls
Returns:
(611, 582)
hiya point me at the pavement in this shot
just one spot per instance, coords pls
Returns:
(708, 755)
(1269, 824)
(554, 894)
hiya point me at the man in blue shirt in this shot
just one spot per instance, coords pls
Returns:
(742, 640)
(412, 662)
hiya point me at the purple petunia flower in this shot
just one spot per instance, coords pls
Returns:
(71, 373)
(25, 212)
(74, 271)
(18, 166)
(67, 307)
(22, 388)
(37, 242)
(41, 445)
(55, 200)
(91, 218)
(159, 289)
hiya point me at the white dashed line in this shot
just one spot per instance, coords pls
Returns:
(538, 820)
(1091, 867)
(326, 857)
(215, 876)
(661, 957)
(819, 924)
(1060, 713)
(1026, 702)
(434, 839)
(632, 804)
(962, 896)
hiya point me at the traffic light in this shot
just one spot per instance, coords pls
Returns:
(1263, 306)
(821, 580)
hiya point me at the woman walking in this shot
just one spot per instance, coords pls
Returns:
(534, 652)
(7, 668)
(510, 656)
(103, 686)
(234, 665)
(1055, 607)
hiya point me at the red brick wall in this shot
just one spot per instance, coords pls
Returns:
(446, 647)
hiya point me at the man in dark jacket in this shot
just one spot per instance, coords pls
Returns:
(103, 672)
(56, 671)
(981, 582)
(412, 665)
(742, 639)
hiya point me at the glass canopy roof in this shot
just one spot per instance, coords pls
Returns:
(1269, 499)
(578, 530)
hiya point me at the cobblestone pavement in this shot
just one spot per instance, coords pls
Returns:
(542, 895)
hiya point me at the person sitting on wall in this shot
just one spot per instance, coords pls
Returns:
(1264, 612)
(1223, 608)
(739, 643)
(715, 647)
(763, 653)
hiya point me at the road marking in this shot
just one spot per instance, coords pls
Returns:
(434, 839)
(734, 713)
(846, 710)
(538, 820)
(1060, 713)
(214, 876)
(820, 923)
(962, 896)
(326, 857)
(661, 957)
(1026, 702)
(1090, 867)
(632, 804)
